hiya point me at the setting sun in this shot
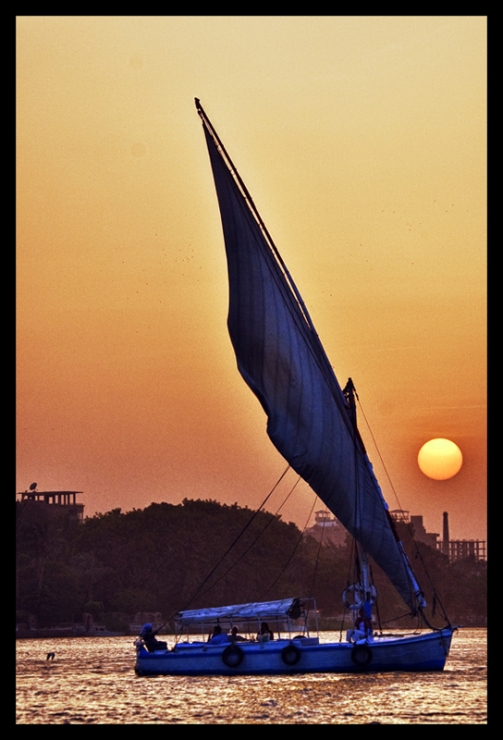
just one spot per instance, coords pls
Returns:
(440, 459)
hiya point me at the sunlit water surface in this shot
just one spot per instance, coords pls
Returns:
(92, 681)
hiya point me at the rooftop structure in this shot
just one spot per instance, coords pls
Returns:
(62, 504)
(327, 529)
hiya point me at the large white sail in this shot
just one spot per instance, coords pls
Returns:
(282, 360)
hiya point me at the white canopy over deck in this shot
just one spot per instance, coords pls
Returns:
(267, 610)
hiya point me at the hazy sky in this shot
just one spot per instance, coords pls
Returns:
(363, 143)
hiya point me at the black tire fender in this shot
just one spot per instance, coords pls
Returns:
(361, 655)
(232, 656)
(290, 654)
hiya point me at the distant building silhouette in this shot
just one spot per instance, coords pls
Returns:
(50, 505)
(416, 522)
(454, 549)
(327, 529)
(445, 541)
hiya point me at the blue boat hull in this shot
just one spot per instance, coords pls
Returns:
(425, 652)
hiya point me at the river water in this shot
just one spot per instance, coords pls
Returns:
(92, 681)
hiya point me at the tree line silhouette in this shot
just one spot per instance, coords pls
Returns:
(202, 553)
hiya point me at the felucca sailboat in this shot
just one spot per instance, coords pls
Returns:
(311, 420)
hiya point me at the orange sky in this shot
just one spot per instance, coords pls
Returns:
(363, 143)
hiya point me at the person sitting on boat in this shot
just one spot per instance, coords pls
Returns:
(265, 633)
(363, 627)
(235, 637)
(147, 634)
(218, 637)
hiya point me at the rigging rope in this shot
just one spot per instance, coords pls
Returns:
(408, 525)
(378, 452)
(270, 521)
(294, 549)
(198, 590)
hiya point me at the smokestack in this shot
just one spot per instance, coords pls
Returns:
(445, 541)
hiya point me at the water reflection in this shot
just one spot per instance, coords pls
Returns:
(91, 681)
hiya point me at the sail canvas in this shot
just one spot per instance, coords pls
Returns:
(280, 357)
